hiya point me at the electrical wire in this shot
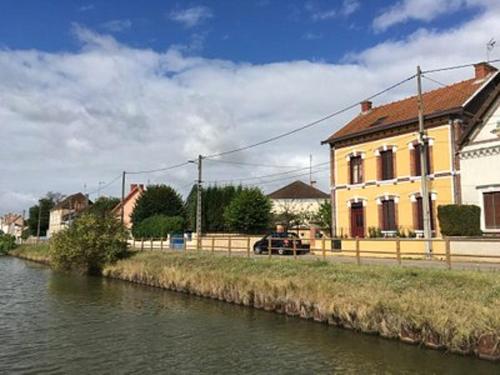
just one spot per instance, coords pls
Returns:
(161, 169)
(310, 124)
(105, 185)
(269, 175)
(250, 164)
(453, 67)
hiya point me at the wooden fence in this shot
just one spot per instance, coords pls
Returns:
(444, 250)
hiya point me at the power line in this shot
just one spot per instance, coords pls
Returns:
(161, 169)
(106, 185)
(453, 67)
(287, 178)
(250, 164)
(269, 175)
(310, 124)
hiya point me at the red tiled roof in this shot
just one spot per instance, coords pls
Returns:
(440, 100)
(137, 189)
(298, 190)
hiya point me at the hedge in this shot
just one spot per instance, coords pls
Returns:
(158, 226)
(460, 220)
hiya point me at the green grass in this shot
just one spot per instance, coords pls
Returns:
(448, 308)
(37, 253)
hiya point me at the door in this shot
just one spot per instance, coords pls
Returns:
(357, 220)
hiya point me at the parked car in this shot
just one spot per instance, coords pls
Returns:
(281, 243)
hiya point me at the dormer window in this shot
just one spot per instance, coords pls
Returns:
(356, 170)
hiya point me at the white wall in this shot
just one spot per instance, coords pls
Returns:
(480, 162)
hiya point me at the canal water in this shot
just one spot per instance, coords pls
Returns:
(52, 323)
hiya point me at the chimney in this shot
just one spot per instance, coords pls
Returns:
(132, 186)
(366, 105)
(483, 69)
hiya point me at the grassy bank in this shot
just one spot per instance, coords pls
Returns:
(37, 253)
(454, 310)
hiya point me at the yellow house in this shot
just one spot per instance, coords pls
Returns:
(375, 163)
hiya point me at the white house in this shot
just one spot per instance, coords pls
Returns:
(480, 157)
(12, 224)
(64, 212)
(297, 198)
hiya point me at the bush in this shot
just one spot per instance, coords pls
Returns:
(159, 226)
(7, 242)
(249, 212)
(88, 244)
(460, 220)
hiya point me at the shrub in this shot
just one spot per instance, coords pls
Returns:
(460, 220)
(7, 242)
(159, 226)
(88, 244)
(249, 212)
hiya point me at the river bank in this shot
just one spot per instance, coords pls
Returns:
(458, 311)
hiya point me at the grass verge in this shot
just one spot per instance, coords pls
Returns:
(458, 311)
(37, 253)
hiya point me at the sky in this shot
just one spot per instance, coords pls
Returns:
(91, 88)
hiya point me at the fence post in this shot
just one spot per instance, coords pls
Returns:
(358, 257)
(161, 244)
(248, 247)
(294, 247)
(133, 243)
(448, 253)
(229, 246)
(142, 244)
(269, 247)
(212, 245)
(151, 247)
(398, 250)
(323, 247)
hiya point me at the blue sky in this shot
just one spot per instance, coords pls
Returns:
(253, 31)
(91, 88)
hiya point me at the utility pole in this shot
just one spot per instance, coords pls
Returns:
(424, 188)
(199, 203)
(122, 208)
(39, 221)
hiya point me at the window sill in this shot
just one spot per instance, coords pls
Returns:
(387, 182)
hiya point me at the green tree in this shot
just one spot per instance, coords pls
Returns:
(103, 205)
(7, 242)
(324, 216)
(157, 200)
(215, 200)
(249, 211)
(159, 226)
(88, 244)
(45, 205)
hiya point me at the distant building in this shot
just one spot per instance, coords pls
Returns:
(128, 203)
(297, 198)
(12, 224)
(64, 212)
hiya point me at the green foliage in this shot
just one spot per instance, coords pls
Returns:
(88, 244)
(159, 226)
(374, 232)
(45, 205)
(215, 200)
(249, 212)
(157, 200)
(324, 216)
(460, 220)
(103, 205)
(7, 242)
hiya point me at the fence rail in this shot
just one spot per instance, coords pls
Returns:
(446, 251)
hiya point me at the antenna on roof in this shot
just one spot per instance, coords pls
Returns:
(489, 47)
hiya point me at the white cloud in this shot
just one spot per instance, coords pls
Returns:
(312, 36)
(75, 118)
(191, 17)
(423, 10)
(117, 25)
(86, 8)
(349, 7)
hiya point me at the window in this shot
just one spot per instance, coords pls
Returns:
(417, 167)
(491, 204)
(388, 215)
(420, 214)
(356, 170)
(386, 165)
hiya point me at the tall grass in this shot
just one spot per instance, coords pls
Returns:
(37, 253)
(456, 310)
